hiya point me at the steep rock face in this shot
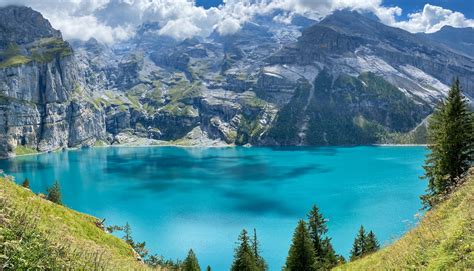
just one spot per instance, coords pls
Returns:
(41, 107)
(234, 118)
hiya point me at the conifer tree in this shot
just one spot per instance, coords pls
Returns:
(451, 142)
(191, 262)
(54, 193)
(358, 248)
(26, 183)
(256, 252)
(371, 243)
(208, 268)
(301, 256)
(331, 259)
(317, 228)
(244, 258)
(326, 257)
(127, 230)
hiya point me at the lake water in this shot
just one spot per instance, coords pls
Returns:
(201, 198)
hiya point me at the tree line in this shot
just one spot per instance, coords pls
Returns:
(311, 249)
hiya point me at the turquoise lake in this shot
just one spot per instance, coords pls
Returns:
(201, 198)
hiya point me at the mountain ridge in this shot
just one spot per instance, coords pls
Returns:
(345, 80)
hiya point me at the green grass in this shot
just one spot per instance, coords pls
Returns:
(443, 240)
(73, 236)
(254, 102)
(44, 50)
(180, 109)
(184, 91)
(49, 48)
(23, 150)
(100, 143)
(13, 61)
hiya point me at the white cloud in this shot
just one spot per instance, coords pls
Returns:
(228, 26)
(432, 19)
(114, 20)
(86, 27)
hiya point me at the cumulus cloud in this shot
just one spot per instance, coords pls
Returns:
(228, 26)
(114, 20)
(432, 19)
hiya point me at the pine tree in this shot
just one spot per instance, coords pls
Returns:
(256, 252)
(326, 257)
(127, 230)
(26, 183)
(451, 141)
(301, 256)
(371, 243)
(54, 193)
(244, 259)
(317, 228)
(208, 268)
(191, 262)
(358, 248)
(331, 259)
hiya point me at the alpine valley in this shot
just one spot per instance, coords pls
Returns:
(345, 80)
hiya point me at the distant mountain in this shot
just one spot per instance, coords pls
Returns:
(459, 39)
(345, 80)
(365, 81)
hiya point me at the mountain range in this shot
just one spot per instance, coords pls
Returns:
(345, 80)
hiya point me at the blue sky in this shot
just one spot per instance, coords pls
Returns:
(410, 6)
(208, 3)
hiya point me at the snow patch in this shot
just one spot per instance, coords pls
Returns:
(431, 87)
(291, 72)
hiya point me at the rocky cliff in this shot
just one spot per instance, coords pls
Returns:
(42, 102)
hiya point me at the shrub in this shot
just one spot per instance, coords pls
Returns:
(54, 193)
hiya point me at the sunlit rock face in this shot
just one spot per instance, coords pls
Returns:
(43, 103)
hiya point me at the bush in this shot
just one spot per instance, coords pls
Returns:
(26, 183)
(54, 193)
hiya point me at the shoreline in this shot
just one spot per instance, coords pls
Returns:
(223, 145)
(399, 145)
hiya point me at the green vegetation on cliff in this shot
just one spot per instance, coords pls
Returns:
(43, 51)
(24, 150)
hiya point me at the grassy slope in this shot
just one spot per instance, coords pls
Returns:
(61, 225)
(443, 240)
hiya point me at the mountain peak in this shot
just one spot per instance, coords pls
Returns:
(352, 22)
(452, 28)
(21, 25)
